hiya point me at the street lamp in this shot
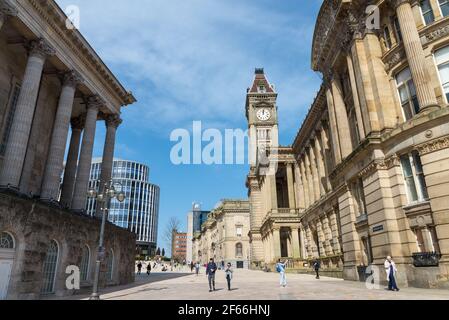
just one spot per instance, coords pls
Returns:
(104, 197)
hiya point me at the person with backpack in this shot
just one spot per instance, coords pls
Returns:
(149, 269)
(280, 268)
(229, 273)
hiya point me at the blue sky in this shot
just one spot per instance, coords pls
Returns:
(193, 60)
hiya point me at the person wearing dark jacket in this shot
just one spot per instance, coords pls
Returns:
(210, 272)
(317, 267)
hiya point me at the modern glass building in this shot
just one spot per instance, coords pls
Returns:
(139, 213)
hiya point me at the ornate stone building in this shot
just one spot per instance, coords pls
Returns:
(370, 168)
(50, 80)
(224, 235)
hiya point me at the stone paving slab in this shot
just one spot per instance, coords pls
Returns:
(257, 285)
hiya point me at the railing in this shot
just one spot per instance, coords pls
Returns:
(426, 259)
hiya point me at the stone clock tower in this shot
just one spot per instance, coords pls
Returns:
(261, 112)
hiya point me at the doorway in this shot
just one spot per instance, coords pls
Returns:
(7, 251)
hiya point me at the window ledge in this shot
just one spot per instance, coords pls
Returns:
(420, 207)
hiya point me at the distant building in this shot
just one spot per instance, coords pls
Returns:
(224, 235)
(195, 220)
(139, 213)
(179, 246)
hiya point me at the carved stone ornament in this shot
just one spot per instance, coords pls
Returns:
(434, 145)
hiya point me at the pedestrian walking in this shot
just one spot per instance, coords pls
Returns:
(317, 267)
(211, 269)
(149, 269)
(197, 268)
(139, 268)
(280, 268)
(391, 270)
(229, 273)
(192, 266)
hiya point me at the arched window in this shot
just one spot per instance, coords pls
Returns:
(110, 265)
(6, 241)
(50, 267)
(239, 250)
(85, 261)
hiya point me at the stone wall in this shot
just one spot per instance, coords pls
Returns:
(34, 225)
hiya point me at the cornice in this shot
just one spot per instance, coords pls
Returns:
(433, 146)
(55, 18)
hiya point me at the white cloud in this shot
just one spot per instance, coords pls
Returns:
(193, 60)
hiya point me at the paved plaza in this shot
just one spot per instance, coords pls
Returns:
(257, 285)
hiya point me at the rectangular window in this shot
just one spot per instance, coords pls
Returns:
(359, 197)
(9, 118)
(387, 38)
(444, 6)
(397, 29)
(415, 182)
(427, 12)
(239, 231)
(407, 94)
(354, 127)
(442, 62)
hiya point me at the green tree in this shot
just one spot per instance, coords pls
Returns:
(163, 252)
(158, 251)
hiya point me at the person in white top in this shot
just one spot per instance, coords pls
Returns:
(391, 270)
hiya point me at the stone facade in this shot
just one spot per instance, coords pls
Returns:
(34, 225)
(370, 162)
(224, 235)
(51, 80)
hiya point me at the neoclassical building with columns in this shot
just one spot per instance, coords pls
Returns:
(370, 171)
(224, 235)
(52, 83)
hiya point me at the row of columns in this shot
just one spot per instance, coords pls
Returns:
(295, 244)
(312, 170)
(76, 178)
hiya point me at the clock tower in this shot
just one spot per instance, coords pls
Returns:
(261, 113)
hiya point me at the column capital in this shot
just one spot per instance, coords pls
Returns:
(41, 48)
(78, 122)
(72, 79)
(95, 102)
(7, 9)
(113, 120)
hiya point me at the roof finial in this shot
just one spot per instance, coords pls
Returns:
(260, 71)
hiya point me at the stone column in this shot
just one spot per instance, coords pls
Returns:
(291, 190)
(299, 187)
(112, 123)
(55, 161)
(427, 237)
(23, 117)
(344, 134)
(273, 191)
(355, 95)
(315, 173)
(333, 127)
(85, 160)
(335, 232)
(296, 244)
(415, 56)
(68, 182)
(305, 183)
(276, 244)
(302, 240)
(324, 142)
(6, 10)
(320, 166)
(320, 244)
(310, 178)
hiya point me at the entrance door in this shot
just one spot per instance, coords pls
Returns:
(5, 276)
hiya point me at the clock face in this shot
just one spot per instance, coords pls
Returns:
(263, 115)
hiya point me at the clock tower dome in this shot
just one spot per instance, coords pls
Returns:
(261, 113)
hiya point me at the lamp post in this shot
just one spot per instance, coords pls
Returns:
(104, 197)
